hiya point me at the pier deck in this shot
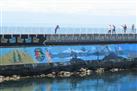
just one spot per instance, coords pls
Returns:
(11, 40)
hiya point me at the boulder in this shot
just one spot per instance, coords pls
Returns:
(83, 70)
(100, 70)
(64, 74)
(1, 79)
(114, 70)
(50, 75)
(89, 72)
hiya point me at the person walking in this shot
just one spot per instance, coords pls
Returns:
(114, 29)
(125, 28)
(110, 29)
(57, 27)
(133, 28)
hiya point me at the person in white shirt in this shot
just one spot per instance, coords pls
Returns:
(110, 29)
(114, 29)
(125, 28)
(133, 28)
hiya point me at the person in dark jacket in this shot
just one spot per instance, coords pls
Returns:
(114, 29)
(110, 29)
(125, 28)
(133, 28)
(57, 27)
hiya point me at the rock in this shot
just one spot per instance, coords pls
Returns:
(42, 75)
(38, 76)
(1, 79)
(82, 74)
(7, 78)
(50, 75)
(11, 79)
(114, 70)
(54, 73)
(83, 70)
(67, 74)
(100, 70)
(76, 73)
(28, 76)
(60, 73)
(15, 77)
(64, 74)
(88, 72)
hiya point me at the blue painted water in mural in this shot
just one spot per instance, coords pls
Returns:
(65, 53)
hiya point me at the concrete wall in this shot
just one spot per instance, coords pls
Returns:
(45, 54)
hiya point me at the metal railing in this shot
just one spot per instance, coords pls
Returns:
(62, 30)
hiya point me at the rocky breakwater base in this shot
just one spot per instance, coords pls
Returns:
(74, 67)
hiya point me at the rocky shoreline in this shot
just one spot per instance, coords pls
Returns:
(74, 67)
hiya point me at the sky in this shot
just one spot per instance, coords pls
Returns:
(93, 13)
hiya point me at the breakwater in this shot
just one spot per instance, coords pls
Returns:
(66, 61)
(74, 65)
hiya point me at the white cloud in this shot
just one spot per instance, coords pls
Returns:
(94, 7)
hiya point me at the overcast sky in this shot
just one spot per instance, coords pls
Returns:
(67, 12)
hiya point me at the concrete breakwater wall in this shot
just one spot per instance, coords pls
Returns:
(64, 39)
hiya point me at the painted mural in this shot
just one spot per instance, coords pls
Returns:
(39, 55)
(48, 54)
